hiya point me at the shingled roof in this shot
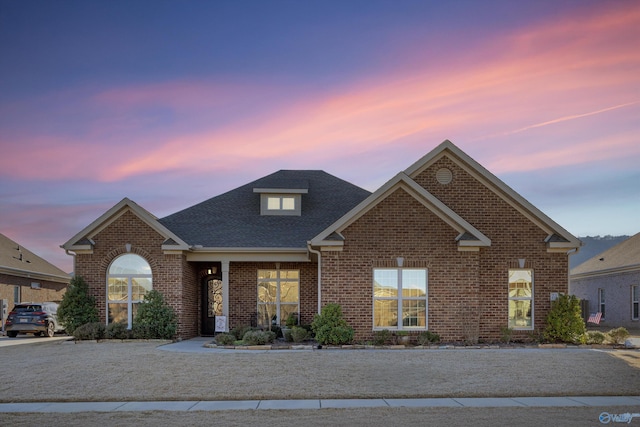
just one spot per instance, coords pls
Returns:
(233, 220)
(625, 256)
(16, 260)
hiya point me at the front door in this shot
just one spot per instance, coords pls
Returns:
(211, 304)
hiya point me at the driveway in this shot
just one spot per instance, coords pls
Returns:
(30, 339)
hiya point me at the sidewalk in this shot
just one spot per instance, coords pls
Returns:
(231, 405)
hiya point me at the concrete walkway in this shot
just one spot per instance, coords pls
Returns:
(231, 405)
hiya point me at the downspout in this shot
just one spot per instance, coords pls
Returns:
(319, 275)
(71, 254)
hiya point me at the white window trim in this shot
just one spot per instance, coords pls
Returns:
(602, 302)
(129, 301)
(635, 301)
(531, 298)
(400, 327)
(277, 279)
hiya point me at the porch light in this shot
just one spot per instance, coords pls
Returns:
(212, 270)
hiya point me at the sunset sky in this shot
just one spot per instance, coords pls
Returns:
(170, 103)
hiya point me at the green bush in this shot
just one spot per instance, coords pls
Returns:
(428, 337)
(155, 319)
(239, 331)
(258, 337)
(381, 337)
(617, 336)
(564, 321)
(118, 331)
(225, 339)
(595, 337)
(298, 334)
(90, 331)
(330, 328)
(77, 307)
(505, 334)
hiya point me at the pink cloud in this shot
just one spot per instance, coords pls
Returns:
(554, 74)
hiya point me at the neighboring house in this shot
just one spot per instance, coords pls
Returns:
(443, 246)
(25, 276)
(610, 282)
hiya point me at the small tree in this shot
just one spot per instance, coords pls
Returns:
(330, 327)
(564, 321)
(155, 319)
(77, 307)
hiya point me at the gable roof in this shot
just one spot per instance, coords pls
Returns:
(83, 241)
(468, 235)
(625, 256)
(558, 238)
(232, 220)
(16, 260)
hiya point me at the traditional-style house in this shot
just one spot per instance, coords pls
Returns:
(443, 246)
(24, 276)
(610, 282)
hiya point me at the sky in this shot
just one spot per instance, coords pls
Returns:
(170, 103)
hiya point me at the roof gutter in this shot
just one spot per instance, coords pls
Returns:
(319, 275)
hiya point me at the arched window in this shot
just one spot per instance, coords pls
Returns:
(128, 280)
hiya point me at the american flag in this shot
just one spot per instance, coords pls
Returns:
(595, 318)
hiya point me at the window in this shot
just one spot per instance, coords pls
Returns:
(128, 281)
(280, 204)
(521, 299)
(278, 295)
(635, 302)
(400, 298)
(601, 305)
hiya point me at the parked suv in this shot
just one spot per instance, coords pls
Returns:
(39, 318)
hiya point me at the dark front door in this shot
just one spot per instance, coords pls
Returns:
(211, 303)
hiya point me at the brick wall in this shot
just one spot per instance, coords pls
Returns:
(243, 290)
(169, 272)
(49, 291)
(466, 289)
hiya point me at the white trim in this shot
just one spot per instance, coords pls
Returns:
(113, 214)
(493, 183)
(249, 254)
(531, 298)
(402, 181)
(33, 275)
(400, 298)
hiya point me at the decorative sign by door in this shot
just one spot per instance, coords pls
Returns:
(221, 323)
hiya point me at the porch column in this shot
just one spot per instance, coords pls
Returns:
(225, 293)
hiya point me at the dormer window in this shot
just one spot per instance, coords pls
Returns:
(280, 201)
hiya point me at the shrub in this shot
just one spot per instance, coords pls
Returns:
(89, 331)
(239, 331)
(505, 334)
(564, 321)
(225, 339)
(258, 337)
(298, 334)
(292, 320)
(595, 337)
(428, 337)
(117, 331)
(617, 336)
(155, 319)
(330, 327)
(77, 307)
(381, 337)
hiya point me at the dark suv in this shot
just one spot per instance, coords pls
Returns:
(39, 318)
